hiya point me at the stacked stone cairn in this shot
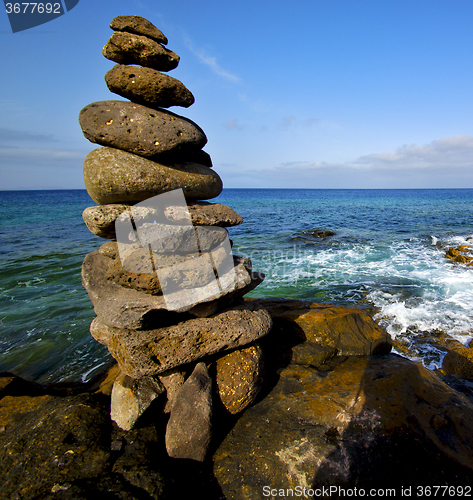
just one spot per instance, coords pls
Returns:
(206, 347)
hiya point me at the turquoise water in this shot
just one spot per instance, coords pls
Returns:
(387, 253)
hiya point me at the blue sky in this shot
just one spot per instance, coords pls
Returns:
(306, 94)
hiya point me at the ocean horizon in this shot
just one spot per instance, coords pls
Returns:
(386, 253)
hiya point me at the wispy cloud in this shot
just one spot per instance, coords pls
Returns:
(446, 162)
(39, 154)
(233, 124)
(8, 135)
(448, 152)
(292, 121)
(210, 61)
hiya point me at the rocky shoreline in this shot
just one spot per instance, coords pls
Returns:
(212, 394)
(334, 408)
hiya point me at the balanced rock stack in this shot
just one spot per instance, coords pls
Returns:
(166, 290)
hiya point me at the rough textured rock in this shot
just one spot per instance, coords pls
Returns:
(114, 176)
(101, 219)
(130, 398)
(128, 48)
(148, 86)
(205, 214)
(151, 352)
(458, 254)
(189, 429)
(139, 130)
(127, 308)
(183, 240)
(170, 272)
(349, 330)
(459, 362)
(172, 380)
(139, 26)
(58, 442)
(240, 377)
(379, 421)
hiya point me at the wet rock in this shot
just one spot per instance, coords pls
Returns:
(148, 86)
(322, 234)
(128, 48)
(240, 377)
(139, 130)
(131, 397)
(189, 429)
(459, 362)
(458, 254)
(114, 176)
(139, 26)
(352, 427)
(349, 330)
(151, 352)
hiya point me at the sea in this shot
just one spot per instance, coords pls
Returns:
(383, 250)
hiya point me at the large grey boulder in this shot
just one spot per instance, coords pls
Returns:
(114, 176)
(147, 86)
(189, 429)
(167, 273)
(151, 352)
(123, 307)
(129, 48)
(138, 129)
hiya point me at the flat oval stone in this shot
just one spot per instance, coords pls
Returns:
(139, 26)
(147, 86)
(101, 220)
(140, 130)
(114, 176)
(127, 48)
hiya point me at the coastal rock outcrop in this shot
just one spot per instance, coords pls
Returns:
(351, 426)
(168, 291)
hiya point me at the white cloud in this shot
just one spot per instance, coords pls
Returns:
(448, 152)
(446, 162)
(39, 154)
(211, 62)
(233, 124)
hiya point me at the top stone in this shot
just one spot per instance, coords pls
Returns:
(138, 26)
(128, 48)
